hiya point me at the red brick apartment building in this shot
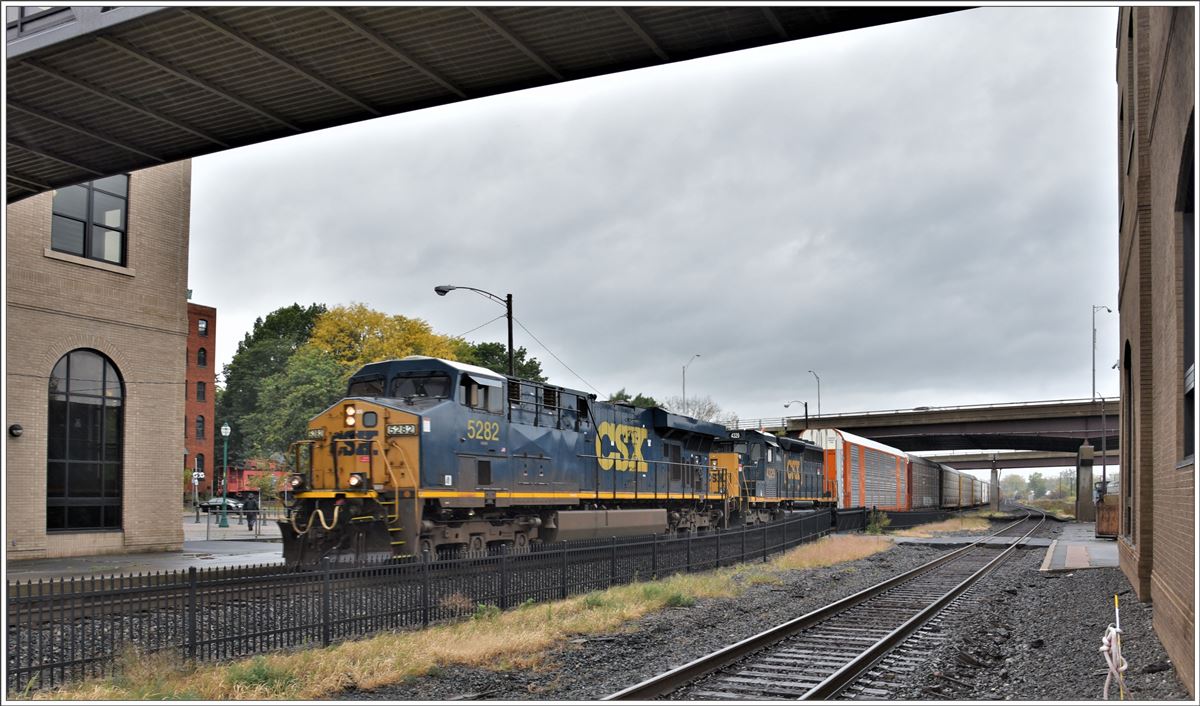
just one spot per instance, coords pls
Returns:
(1156, 107)
(199, 392)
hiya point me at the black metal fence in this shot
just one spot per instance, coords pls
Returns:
(66, 629)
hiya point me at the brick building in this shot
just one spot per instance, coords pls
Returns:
(1156, 123)
(200, 407)
(95, 343)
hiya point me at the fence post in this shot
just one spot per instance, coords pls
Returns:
(562, 569)
(654, 558)
(326, 599)
(425, 589)
(785, 526)
(745, 529)
(191, 639)
(504, 577)
(612, 562)
(764, 543)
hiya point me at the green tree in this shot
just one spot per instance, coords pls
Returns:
(1037, 484)
(263, 352)
(638, 400)
(1012, 486)
(494, 357)
(311, 381)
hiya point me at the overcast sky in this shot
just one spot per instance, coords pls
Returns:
(923, 213)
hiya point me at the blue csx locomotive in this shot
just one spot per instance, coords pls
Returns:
(429, 455)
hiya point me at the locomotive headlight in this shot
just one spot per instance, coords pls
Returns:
(350, 410)
(296, 481)
(349, 420)
(357, 480)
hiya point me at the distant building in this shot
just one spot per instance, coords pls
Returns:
(95, 343)
(199, 391)
(1157, 279)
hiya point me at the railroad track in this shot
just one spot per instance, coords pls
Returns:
(818, 655)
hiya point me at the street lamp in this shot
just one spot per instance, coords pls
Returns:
(818, 377)
(1094, 308)
(224, 522)
(506, 302)
(789, 404)
(685, 367)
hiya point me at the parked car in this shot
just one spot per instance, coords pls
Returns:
(214, 505)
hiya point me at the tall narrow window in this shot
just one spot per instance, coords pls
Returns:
(200, 391)
(200, 462)
(1128, 458)
(202, 327)
(200, 427)
(85, 447)
(1185, 201)
(202, 358)
(89, 219)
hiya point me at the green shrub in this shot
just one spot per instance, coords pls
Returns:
(259, 673)
(877, 522)
(594, 600)
(485, 611)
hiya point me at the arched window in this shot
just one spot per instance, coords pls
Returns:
(200, 427)
(200, 462)
(85, 444)
(202, 358)
(200, 391)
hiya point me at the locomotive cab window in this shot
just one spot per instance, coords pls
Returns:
(366, 387)
(430, 385)
(483, 394)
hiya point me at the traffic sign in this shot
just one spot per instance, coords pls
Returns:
(197, 475)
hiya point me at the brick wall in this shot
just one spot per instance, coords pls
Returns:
(194, 407)
(1160, 557)
(135, 315)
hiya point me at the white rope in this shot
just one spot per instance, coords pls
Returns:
(1110, 647)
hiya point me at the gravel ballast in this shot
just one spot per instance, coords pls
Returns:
(1022, 636)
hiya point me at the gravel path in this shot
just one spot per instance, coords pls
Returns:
(1040, 639)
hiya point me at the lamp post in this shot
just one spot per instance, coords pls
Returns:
(685, 367)
(1094, 308)
(224, 522)
(818, 377)
(441, 291)
(789, 404)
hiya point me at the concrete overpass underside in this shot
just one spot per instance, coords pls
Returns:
(1060, 426)
(95, 91)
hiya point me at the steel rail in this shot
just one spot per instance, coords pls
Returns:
(678, 677)
(851, 671)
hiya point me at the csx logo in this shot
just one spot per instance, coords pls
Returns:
(793, 470)
(619, 446)
(363, 448)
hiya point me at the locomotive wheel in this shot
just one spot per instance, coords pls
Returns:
(476, 544)
(426, 547)
(521, 541)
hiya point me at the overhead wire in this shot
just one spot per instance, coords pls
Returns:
(481, 326)
(543, 345)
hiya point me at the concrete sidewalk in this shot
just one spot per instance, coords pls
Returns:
(235, 545)
(1078, 548)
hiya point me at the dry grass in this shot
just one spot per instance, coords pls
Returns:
(515, 639)
(830, 550)
(951, 526)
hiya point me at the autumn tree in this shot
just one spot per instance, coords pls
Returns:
(356, 335)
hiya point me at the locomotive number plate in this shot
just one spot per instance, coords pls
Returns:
(401, 429)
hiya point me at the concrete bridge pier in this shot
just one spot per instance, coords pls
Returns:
(1085, 507)
(995, 485)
